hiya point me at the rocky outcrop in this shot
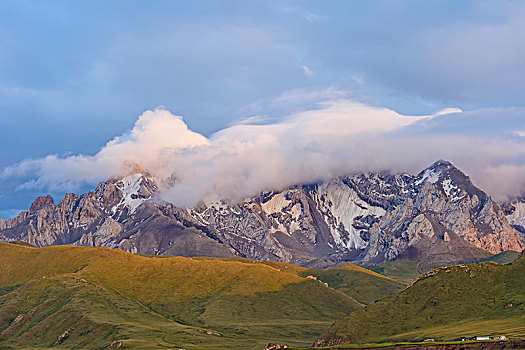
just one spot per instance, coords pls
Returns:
(317, 221)
(515, 213)
(443, 204)
(41, 202)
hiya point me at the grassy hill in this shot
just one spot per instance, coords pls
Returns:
(505, 257)
(363, 285)
(77, 297)
(406, 271)
(402, 270)
(465, 300)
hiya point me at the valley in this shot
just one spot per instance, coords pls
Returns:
(81, 297)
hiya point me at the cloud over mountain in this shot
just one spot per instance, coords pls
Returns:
(339, 137)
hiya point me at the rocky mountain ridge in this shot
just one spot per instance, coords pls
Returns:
(444, 216)
(368, 218)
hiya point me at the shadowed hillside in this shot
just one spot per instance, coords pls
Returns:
(464, 300)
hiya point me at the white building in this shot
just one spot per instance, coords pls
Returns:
(482, 338)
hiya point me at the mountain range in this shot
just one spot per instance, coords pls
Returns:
(438, 217)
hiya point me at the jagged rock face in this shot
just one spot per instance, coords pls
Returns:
(515, 213)
(118, 214)
(442, 203)
(383, 189)
(366, 217)
(296, 225)
(304, 223)
(41, 202)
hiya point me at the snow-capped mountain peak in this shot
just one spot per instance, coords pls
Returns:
(135, 189)
(453, 183)
(434, 172)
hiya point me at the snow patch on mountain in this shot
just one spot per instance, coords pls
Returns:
(429, 175)
(199, 216)
(286, 210)
(130, 187)
(448, 186)
(452, 191)
(517, 218)
(296, 212)
(340, 206)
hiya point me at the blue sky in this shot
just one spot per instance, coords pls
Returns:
(74, 74)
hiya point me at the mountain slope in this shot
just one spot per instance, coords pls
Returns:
(444, 220)
(103, 296)
(458, 301)
(67, 312)
(363, 285)
(515, 212)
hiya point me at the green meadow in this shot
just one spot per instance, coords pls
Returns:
(78, 297)
(482, 299)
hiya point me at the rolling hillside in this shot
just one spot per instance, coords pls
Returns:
(74, 296)
(363, 285)
(447, 303)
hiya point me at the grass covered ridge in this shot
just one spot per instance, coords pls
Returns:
(402, 270)
(363, 285)
(75, 296)
(465, 300)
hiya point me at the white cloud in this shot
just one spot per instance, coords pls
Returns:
(449, 110)
(156, 136)
(339, 137)
(293, 100)
(307, 71)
